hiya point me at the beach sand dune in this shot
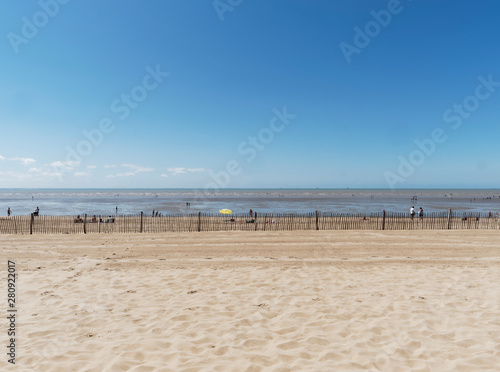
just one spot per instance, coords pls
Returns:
(257, 301)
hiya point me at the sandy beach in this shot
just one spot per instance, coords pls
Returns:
(256, 301)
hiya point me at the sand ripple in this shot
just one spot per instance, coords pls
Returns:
(127, 314)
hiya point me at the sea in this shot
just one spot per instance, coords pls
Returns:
(183, 201)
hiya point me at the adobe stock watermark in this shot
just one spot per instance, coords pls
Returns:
(250, 149)
(224, 6)
(372, 28)
(454, 116)
(122, 107)
(32, 25)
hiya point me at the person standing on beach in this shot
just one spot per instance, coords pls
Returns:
(421, 213)
(8, 212)
(412, 212)
(251, 213)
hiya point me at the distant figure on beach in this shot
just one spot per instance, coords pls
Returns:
(156, 214)
(489, 215)
(36, 212)
(8, 212)
(421, 213)
(117, 211)
(78, 219)
(94, 219)
(412, 212)
(153, 213)
(251, 213)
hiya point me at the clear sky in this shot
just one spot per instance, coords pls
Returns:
(256, 93)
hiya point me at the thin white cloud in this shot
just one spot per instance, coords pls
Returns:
(54, 169)
(164, 175)
(81, 174)
(51, 174)
(136, 169)
(25, 161)
(126, 174)
(110, 166)
(2, 158)
(176, 171)
(65, 165)
(16, 175)
(91, 166)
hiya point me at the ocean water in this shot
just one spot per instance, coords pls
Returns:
(173, 201)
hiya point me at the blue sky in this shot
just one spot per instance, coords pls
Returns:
(230, 93)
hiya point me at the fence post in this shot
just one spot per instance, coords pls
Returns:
(199, 221)
(317, 221)
(383, 219)
(449, 218)
(141, 219)
(31, 223)
(255, 220)
(85, 224)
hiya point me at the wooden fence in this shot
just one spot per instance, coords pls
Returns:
(260, 222)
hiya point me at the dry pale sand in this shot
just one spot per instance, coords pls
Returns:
(256, 301)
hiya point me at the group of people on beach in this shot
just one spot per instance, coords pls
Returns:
(36, 212)
(110, 219)
(420, 212)
(251, 220)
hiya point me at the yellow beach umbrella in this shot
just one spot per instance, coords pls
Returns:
(226, 211)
